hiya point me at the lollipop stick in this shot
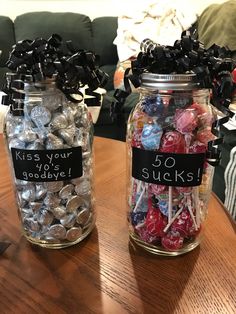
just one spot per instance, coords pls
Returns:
(172, 219)
(139, 185)
(170, 204)
(191, 212)
(197, 207)
(139, 199)
(133, 186)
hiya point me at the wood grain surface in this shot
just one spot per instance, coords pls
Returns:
(105, 273)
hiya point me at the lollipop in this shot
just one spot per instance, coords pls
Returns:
(155, 222)
(172, 241)
(197, 147)
(186, 120)
(144, 235)
(153, 105)
(136, 138)
(204, 135)
(141, 204)
(183, 224)
(157, 189)
(137, 218)
(151, 136)
(201, 108)
(172, 142)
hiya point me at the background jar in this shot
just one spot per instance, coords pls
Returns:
(49, 141)
(168, 178)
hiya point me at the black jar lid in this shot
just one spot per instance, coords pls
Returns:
(153, 81)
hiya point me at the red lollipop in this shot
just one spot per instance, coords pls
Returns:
(184, 189)
(183, 224)
(173, 142)
(186, 120)
(136, 138)
(205, 135)
(200, 108)
(157, 189)
(197, 147)
(172, 241)
(144, 235)
(155, 222)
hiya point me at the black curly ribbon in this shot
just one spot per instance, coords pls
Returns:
(41, 59)
(212, 67)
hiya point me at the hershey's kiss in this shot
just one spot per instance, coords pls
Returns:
(53, 142)
(67, 135)
(57, 231)
(73, 234)
(40, 115)
(59, 121)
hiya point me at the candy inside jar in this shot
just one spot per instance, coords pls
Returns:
(169, 179)
(49, 137)
(52, 157)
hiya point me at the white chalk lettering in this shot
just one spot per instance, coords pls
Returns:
(24, 174)
(145, 174)
(157, 162)
(44, 175)
(167, 177)
(169, 162)
(26, 156)
(190, 176)
(63, 155)
(156, 175)
(49, 157)
(179, 175)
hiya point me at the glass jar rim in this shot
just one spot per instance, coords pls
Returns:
(154, 81)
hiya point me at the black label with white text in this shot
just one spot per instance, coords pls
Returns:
(47, 165)
(167, 168)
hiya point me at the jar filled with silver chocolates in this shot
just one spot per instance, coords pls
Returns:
(49, 139)
(49, 136)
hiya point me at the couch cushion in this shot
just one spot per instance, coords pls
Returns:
(7, 38)
(104, 33)
(70, 26)
(216, 25)
(3, 71)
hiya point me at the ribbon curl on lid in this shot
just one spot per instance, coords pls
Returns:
(39, 60)
(212, 67)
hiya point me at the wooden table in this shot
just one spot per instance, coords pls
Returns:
(105, 273)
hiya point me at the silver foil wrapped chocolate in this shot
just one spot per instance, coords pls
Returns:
(52, 159)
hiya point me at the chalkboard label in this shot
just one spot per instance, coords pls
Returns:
(167, 168)
(47, 165)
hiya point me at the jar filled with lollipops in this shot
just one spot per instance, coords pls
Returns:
(170, 180)
(172, 140)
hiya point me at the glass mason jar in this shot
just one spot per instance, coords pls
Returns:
(168, 178)
(49, 140)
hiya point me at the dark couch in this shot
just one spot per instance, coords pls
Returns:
(98, 36)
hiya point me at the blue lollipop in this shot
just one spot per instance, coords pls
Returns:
(151, 136)
(153, 105)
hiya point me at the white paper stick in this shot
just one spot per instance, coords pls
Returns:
(139, 185)
(197, 207)
(173, 219)
(139, 199)
(189, 205)
(132, 186)
(170, 204)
